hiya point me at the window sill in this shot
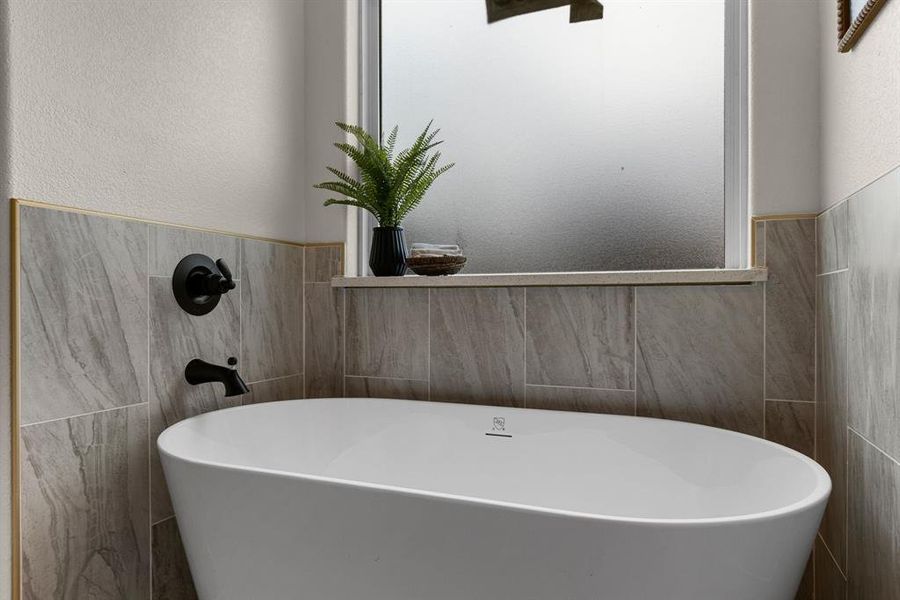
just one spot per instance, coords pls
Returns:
(673, 277)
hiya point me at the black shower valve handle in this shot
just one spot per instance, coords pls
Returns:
(226, 272)
(211, 280)
(199, 283)
(222, 282)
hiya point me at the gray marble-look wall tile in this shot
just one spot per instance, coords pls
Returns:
(171, 575)
(699, 355)
(831, 405)
(806, 591)
(790, 309)
(387, 333)
(85, 513)
(759, 241)
(832, 239)
(873, 555)
(323, 263)
(175, 339)
(478, 346)
(168, 245)
(580, 336)
(275, 390)
(830, 583)
(271, 309)
(874, 339)
(379, 387)
(611, 402)
(792, 424)
(324, 330)
(83, 313)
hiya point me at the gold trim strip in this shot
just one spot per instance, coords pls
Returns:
(849, 33)
(764, 218)
(784, 217)
(111, 215)
(753, 228)
(15, 483)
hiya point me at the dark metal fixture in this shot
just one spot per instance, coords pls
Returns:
(579, 10)
(199, 371)
(198, 283)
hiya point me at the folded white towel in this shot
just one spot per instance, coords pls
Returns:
(435, 250)
(435, 246)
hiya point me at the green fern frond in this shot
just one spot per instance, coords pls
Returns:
(392, 141)
(389, 186)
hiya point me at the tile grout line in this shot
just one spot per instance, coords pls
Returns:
(815, 359)
(846, 391)
(634, 325)
(525, 347)
(789, 400)
(815, 372)
(302, 318)
(241, 312)
(871, 443)
(163, 520)
(280, 377)
(578, 387)
(831, 556)
(765, 301)
(836, 271)
(836, 204)
(812, 560)
(428, 349)
(380, 377)
(235, 279)
(85, 414)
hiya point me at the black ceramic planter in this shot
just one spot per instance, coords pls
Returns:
(387, 257)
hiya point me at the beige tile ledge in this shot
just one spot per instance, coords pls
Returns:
(672, 277)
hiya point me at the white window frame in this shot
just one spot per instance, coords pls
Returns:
(736, 142)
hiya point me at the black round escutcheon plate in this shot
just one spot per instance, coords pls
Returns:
(190, 269)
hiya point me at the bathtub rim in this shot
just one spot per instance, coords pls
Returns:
(818, 495)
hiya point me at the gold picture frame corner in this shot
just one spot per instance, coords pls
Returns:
(849, 32)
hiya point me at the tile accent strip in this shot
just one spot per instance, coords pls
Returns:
(790, 309)
(83, 314)
(92, 455)
(857, 382)
(86, 526)
(580, 336)
(700, 355)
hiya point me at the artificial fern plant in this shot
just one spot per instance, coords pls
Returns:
(389, 187)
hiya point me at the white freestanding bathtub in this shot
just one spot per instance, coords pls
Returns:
(360, 499)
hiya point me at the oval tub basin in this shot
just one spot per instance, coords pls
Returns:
(363, 499)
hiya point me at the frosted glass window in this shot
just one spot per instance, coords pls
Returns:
(587, 146)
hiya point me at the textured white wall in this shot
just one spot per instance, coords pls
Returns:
(331, 95)
(860, 104)
(784, 106)
(179, 111)
(188, 112)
